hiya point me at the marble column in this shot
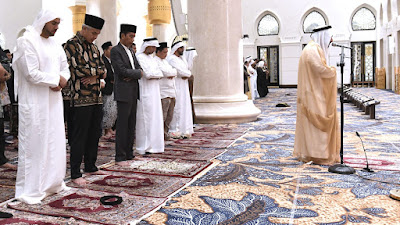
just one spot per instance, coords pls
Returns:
(108, 11)
(215, 30)
(159, 16)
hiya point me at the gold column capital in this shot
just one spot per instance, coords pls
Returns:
(159, 11)
(78, 17)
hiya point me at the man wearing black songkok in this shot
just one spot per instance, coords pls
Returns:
(86, 113)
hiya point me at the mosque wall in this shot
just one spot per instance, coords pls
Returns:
(14, 16)
(291, 37)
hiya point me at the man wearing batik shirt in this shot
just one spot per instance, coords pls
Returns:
(86, 113)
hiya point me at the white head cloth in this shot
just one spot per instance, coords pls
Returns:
(323, 38)
(260, 64)
(147, 43)
(248, 59)
(176, 46)
(32, 33)
(190, 54)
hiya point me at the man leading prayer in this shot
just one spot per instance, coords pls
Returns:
(317, 134)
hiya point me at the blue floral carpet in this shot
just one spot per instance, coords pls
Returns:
(258, 181)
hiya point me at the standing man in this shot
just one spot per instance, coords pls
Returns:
(317, 129)
(87, 68)
(109, 104)
(182, 122)
(190, 55)
(149, 131)
(127, 72)
(3, 159)
(167, 87)
(41, 71)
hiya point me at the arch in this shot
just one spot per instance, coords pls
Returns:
(363, 18)
(268, 24)
(312, 19)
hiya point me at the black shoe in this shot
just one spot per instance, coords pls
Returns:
(5, 215)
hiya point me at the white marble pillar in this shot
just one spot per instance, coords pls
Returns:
(108, 11)
(160, 32)
(215, 30)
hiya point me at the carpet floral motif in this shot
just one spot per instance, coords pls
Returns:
(158, 166)
(135, 184)
(85, 205)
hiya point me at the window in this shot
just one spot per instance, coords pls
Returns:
(363, 19)
(313, 19)
(268, 25)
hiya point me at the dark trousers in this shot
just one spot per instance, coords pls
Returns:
(125, 132)
(85, 131)
(3, 158)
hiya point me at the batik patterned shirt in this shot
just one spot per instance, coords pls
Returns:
(84, 60)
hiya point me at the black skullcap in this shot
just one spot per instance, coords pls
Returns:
(190, 49)
(94, 21)
(125, 28)
(325, 27)
(163, 45)
(106, 45)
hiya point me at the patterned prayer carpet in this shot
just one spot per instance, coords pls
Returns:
(85, 205)
(216, 135)
(187, 153)
(200, 143)
(378, 163)
(220, 128)
(258, 181)
(26, 218)
(6, 193)
(159, 166)
(134, 184)
(7, 177)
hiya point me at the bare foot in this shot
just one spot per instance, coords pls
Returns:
(123, 163)
(99, 172)
(80, 181)
(9, 166)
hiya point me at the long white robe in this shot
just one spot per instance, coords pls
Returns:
(41, 133)
(182, 121)
(253, 82)
(149, 119)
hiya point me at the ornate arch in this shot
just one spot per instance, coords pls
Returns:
(313, 18)
(363, 18)
(267, 24)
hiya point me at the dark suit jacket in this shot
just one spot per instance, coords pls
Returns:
(108, 89)
(125, 91)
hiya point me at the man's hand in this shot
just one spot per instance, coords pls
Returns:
(185, 78)
(58, 88)
(63, 82)
(141, 73)
(171, 77)
(89, 80)
(127, 79)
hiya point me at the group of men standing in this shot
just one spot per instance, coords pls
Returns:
(149, 89)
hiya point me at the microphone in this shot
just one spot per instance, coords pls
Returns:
(367, 169)
(340, 46)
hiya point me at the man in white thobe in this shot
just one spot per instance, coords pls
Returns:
(149, 120)
(41, 71)
(167, 87)
(182, 122)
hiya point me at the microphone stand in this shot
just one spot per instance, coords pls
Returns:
(341, 168)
